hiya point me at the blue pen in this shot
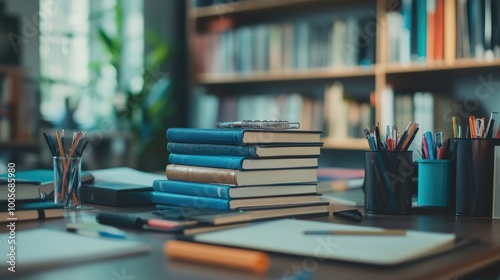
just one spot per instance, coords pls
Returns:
(430, 145)
(96, 230)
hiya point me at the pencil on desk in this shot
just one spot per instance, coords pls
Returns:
(211, 254)
(397, 232)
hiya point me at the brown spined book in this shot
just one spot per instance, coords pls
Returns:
(240, 177)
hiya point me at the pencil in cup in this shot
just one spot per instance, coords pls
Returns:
(388, 182)
(249, 260)
(67, 181)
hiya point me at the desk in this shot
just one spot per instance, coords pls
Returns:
(156, 266)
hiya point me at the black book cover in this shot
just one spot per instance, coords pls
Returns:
(116, 194)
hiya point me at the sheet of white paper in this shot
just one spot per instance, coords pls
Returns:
(287, 236)
(127, 175)
(43, 248)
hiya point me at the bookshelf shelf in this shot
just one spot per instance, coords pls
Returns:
(286, 76)
(459, 64)
(245, 7)
(221, 67)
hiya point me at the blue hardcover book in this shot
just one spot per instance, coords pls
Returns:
(241, 136)
(225, 204)
(228, 192)
(242, 163)
(422, 30)
(261, 151)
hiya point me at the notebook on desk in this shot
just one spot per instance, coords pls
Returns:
(287, 236)
(42, 249)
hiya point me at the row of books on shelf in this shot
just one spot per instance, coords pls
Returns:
(299, 45)
(18, 120)
(339, 116)
(6, 110)
(213, 174)
(204, 3)
(210, 109)
(438, 30)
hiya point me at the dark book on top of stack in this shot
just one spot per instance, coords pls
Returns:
(270, 173)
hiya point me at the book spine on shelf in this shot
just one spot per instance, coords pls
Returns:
(189, 201)
(211, 149)
(191, 188)
(201, 174)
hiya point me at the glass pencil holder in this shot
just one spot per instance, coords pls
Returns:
(67, 181)
(388, 182)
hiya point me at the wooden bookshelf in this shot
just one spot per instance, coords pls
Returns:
(286, 76)
(459, 64)
(421, 76)
(254, 6)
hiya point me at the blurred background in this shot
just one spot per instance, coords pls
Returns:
(125, 71)
(115, 69)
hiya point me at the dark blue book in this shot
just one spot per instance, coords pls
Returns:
(228, 192)
(253, 151)
(38, 210)
(241, 136)
(225, 204)
(242, 163)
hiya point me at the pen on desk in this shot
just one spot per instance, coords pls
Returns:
(96, 230)
(136, 222)
(397, 232)
(254, 261)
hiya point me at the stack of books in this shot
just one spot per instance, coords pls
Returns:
(266, 173)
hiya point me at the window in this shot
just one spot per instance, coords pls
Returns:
(77, 70)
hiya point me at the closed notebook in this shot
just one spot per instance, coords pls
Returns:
(241, 136)
(242, 163)
(253, 151)
(240, 178)
(21, 191)
(37, 210)
(227, 192)
(222, 204)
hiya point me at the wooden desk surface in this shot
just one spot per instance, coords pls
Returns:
(156, 266)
